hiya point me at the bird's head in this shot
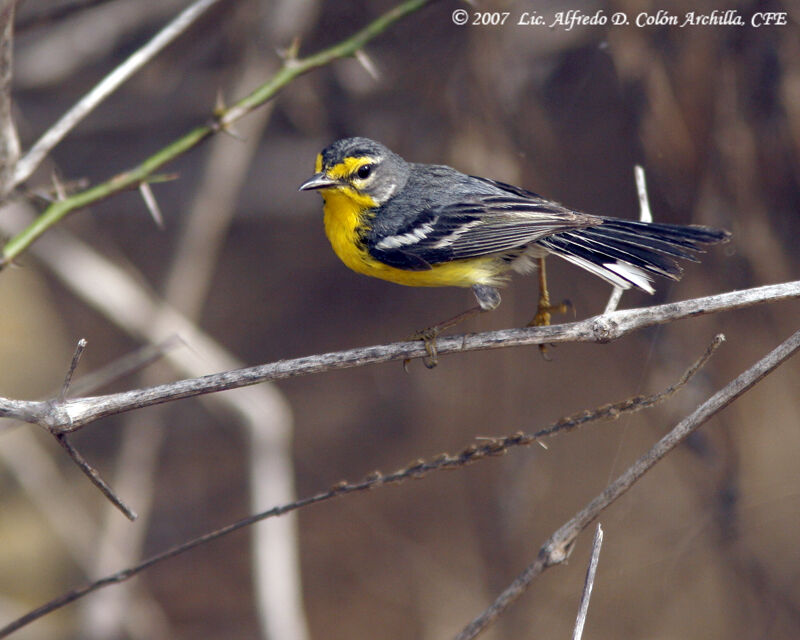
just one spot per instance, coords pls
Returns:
(360, 169)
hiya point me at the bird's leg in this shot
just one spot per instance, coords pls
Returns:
(430, 334)
(545, 309)
(488, 299)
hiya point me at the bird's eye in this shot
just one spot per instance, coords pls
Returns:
(364, 171)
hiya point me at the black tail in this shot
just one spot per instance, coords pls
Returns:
(626, 253)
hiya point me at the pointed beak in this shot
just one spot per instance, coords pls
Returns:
(318, 181)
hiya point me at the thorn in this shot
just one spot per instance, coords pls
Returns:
(76, 358)
(219, 105)
(290, 53)
(368, 64)
(233, 133)
(59, 191)
(58, 187)
(221, 113)
(162, 177)
(152, 205)
(127, 364)
(94, 476)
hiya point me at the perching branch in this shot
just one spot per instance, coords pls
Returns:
(222, 119)
(558, 548)
(72, 414)
(485, 449)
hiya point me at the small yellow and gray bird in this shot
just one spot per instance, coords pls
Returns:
(432, 226)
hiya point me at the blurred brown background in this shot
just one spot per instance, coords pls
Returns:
(704, 547)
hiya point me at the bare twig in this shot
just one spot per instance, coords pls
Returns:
(75, 413)
(31, 160)
(613, 299)
(76, 358)
(558, 548)
(645, 215)
(73, 453)
(588, 584)
(123, 366)
(94, 476)
(417, 469)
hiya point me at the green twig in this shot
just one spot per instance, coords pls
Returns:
(224, 117)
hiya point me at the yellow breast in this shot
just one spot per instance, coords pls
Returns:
(346, 212)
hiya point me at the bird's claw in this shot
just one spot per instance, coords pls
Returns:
(428, 337)
(543, 317)
(545, 310)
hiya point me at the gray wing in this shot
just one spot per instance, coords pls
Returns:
(502, 219)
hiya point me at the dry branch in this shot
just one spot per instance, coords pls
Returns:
(588, 584)
(72, 414)
(558, 548)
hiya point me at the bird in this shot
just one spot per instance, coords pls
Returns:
(430, 225)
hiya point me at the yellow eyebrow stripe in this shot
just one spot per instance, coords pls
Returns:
(348, 167)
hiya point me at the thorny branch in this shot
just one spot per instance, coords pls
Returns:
(28, 164)
(223, 118)
(72, 414)
(476, 452)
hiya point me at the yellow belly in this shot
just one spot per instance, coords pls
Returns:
(344, 217)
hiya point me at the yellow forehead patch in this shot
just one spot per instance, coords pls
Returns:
(318, 163)
(348, 167)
